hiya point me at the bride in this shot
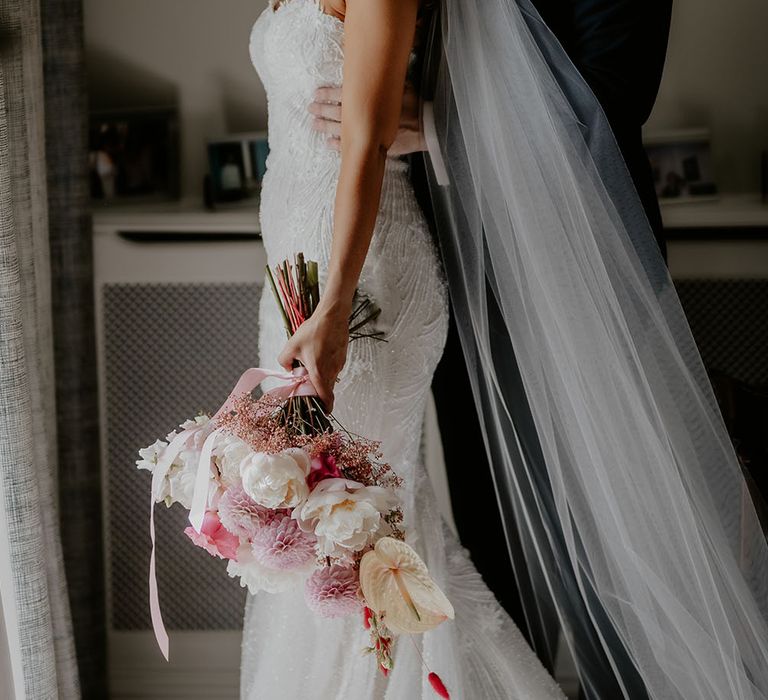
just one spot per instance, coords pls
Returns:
(549, 262)
(355, 213)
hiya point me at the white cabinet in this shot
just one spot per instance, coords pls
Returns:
(176, 291)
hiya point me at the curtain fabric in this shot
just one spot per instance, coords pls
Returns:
(34, 591)
(69, 225)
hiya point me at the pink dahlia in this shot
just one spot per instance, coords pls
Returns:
(240, 514)
(281, 544)
(323, 467)
(214, 538)
(332, 591)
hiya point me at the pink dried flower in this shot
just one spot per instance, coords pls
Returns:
(333, 591)
(240, 514)
(281, 544)
(323, 467)
(214, 538)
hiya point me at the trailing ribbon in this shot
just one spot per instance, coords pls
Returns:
(295, 383)
(433, 144)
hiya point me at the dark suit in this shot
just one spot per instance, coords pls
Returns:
(619, 47)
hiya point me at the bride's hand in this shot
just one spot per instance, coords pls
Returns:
(326, 110)
(320, 344)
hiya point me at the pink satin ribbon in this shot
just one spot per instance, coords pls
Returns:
(295, 383)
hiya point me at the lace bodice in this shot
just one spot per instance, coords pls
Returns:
(293, 57)
(297, 48)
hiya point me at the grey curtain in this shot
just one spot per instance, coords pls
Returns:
(36, 608)
(69, 224)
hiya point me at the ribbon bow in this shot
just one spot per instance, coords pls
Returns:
(294, 383)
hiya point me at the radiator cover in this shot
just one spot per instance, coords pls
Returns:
(171, 351)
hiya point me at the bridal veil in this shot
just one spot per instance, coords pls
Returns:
(612, 464)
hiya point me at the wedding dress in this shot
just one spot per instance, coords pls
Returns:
(289, 652)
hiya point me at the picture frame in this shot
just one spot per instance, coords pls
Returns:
(681, 162)
(237, 163)
(133, 155)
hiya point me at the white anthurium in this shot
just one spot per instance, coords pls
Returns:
(397, 586)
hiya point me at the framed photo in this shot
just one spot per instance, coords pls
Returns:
(237, 163)
(681, 162)
(134, 155)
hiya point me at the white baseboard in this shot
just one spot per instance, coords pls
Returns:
(202, 665)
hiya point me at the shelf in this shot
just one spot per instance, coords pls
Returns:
(184, 217)
(716, 218)
(727, 212)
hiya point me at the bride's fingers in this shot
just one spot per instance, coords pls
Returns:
(324, 126)
(322, 387)
(328, 94)
(326, 111)
(287, 356)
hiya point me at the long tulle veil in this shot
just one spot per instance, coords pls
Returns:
(612, 464)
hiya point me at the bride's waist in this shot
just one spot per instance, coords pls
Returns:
(316, 165)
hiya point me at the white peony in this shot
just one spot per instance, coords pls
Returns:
(181, 480)
(276, 480)
(229, 452)
(344, 515)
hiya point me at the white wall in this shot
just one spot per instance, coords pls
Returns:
(715, 76)
(193, 53)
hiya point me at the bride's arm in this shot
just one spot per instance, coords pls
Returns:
(378, 36)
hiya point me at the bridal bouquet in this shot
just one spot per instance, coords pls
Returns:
(277, 487)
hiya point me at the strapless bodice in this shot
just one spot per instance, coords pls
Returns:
(295, 49)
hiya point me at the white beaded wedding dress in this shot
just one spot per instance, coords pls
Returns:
(288, 652)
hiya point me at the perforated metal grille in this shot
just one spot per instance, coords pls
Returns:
(729, 320)
(171, 351)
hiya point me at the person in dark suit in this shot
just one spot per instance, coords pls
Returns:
(619, 47)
